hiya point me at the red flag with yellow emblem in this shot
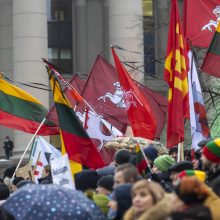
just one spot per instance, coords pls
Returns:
(175, 74)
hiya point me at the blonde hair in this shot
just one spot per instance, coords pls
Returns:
(154, 189)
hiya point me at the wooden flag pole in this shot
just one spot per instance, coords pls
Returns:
(22, 157)
(180, 152)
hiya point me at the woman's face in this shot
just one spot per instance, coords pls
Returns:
(142, 200)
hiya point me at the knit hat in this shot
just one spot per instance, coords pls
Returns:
(212, 150)
(180, 166)
(151, 152)
(106, 182)
(164, 162)
(198, 173)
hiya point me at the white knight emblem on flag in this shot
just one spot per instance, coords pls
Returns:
(211, 23)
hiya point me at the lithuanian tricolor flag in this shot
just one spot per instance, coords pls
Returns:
(21, 111)
(141, 163)
(74, 138)
(211, 63)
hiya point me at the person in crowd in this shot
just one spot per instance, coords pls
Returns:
(85, 180)
(160, 172)
(197, 162)
(151, 154)
(99, 199)
(46, 176)
(175, 169)
(200, 201)
(201, 175)
(125, 173)
(15, 182)
(150, 202)
(173, 152)
(121, 156)
(120, 202)
(4, 193)
(8, 146)
(105, 185)
(211, 164)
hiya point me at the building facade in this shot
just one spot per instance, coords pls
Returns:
(71, 33)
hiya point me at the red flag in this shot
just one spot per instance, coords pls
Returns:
(175, 74)
(211, 62)
(139, 112)
(200, 20)
(103, 92)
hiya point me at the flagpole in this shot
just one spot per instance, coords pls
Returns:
(180, 156)
(22, 157)
(71, 87)
(145, 157)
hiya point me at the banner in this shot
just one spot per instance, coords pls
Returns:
(61, 173)
(200, 21)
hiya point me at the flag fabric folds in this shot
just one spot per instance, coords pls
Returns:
(103, 92)
(21, 111)
(211, 63)
(74, 138)
(200, 21)
(198, 119)
(139, 112)
(175, 74)
(141, 163)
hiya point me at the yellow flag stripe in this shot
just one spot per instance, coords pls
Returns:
(12, 90)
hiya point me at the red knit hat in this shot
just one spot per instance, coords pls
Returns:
(212, 150)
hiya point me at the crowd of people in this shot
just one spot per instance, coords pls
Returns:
(186, 190)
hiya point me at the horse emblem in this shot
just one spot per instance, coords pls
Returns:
(116, 97)
(211, 23)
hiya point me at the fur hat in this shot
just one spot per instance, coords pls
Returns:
(212, 150)
(180, 166)
(164, 162)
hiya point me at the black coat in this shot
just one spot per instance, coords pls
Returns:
(213, 181)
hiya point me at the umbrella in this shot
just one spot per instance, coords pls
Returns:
(51, 202)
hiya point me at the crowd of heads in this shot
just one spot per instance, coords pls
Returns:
(173, 190)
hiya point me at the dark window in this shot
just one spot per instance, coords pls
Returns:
(149, 54)
(60, 34)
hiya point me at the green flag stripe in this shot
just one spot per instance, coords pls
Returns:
(69, 121)
(22, 108)
(214, 148)
(215, 44)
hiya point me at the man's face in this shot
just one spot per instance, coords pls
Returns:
(118, 179)
(174, 155)
(206, 164)
(102, 190)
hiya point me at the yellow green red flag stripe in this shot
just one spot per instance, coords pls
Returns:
(76, 141)
(21, 111)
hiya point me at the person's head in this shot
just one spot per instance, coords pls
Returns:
(211, 154)
(122, 156)
(145, 194)
(162, 163)
(125, 173)
(173, 152)
(175, 169)
(120, 201)
(4, 192)
(7, 138)
(15, 181)
(197, 163)
(105, 185)
(47, 171)
(151, 154)
(191, 190)
(200, 175)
